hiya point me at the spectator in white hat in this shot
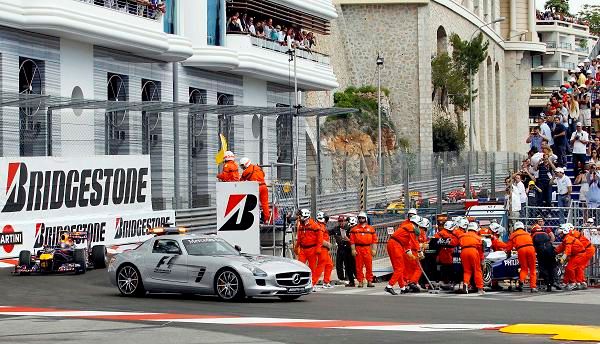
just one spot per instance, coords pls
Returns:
(579, 141)
(564, 189)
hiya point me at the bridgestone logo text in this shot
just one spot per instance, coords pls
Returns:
(11, 238)
(50, 235)
(58, 189)
(135, 228)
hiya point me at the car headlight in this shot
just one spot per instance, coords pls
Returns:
(255, 271)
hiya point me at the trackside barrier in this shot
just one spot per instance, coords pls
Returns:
(203, 220)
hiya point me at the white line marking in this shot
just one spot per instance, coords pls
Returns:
(72, 313)
(423, 327)
(241, 321)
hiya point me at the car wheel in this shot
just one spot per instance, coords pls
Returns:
(129, 281)
(99, 256)
(289, 297)
(25, 260)
(79, 258)
(228, 285)
(488, 274)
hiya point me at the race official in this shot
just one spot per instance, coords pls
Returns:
(309, 241)
(254, 173)
(230, 171)
(363, 239)
(400, 249)
(344, 262)
(523, 243)
(573, 253)
(497, 243)
(589, 253)
(324, 263)
(546, 257)
(446, 243)
(471, 256)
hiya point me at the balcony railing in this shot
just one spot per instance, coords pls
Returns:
(141, 8)
(302, 53)
(581, 50)
(556, 65)
(553, 45)
(564, 24)
(546, 84)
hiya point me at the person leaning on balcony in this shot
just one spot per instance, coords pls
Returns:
(251, 27)
(234, 24)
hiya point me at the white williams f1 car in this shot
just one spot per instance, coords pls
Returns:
(203, 264)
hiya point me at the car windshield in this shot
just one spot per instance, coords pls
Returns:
(209, 247)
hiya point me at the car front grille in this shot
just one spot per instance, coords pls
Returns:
(289, 279)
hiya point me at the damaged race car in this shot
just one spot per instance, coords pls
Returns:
(74, 253)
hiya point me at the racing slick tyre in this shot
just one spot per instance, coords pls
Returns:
(25, 259)
(79, 258)
(228, 285)
(289, 297)
(98, 256)
(487, 273)
(129, 281)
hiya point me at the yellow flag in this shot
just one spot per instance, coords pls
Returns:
(221, 154)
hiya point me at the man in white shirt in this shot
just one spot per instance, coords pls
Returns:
(563, 192)
(546, 131)
(579, 141)
(268, 27)
(522, 193)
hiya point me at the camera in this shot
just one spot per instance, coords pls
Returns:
(576, 137)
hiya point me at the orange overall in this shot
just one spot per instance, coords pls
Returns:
(309, 241)
(408, 239)
(362, 236)
(396, 250)
(324, 264)
(416, 269)
(230, 172)
(446, 253)
(253, 173)
(471, 255)
(575, 252)
(497, 244)
(589, 253)
(523, 243)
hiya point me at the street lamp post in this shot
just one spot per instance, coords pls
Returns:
(379, 62)
(471, 128)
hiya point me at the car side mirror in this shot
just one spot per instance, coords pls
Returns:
(238, 248)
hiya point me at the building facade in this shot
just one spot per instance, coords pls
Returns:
(126, 50)
(410, 33)
(567, 44)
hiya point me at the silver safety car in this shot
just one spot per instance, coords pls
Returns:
(206, 264)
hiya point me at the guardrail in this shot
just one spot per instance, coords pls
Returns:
(202, 220)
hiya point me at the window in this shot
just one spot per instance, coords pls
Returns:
(32, 118)
(226, 125)
(197, 162)
(170, 17)
(168, 246)
(285, 145)
(215, 22)
(209, 247)
(116, 123)
(150, 120)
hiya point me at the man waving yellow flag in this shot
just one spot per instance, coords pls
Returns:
(219, 158)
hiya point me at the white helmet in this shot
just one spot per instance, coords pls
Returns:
(320, 216)
(495, 227)
(473, 226)
(411, 211)
(449, 225)
(416, 219)
(565, 228)
(424, 223)
(245, 162)
(519, 225)
(305, 214)
(362, 214)
(463, 223)
(352, 221)
(228, 156)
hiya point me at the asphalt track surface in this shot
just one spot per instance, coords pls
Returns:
(92, 291)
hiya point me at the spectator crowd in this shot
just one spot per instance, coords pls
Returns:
(553, 15)
(569, 124)
(284, 34)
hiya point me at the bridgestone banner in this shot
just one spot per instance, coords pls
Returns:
(238, 214)
(109, 197)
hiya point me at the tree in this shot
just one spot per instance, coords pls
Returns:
(558, 6)
(591, 14)
(448, 136)
(449, 83)
(468, 55)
